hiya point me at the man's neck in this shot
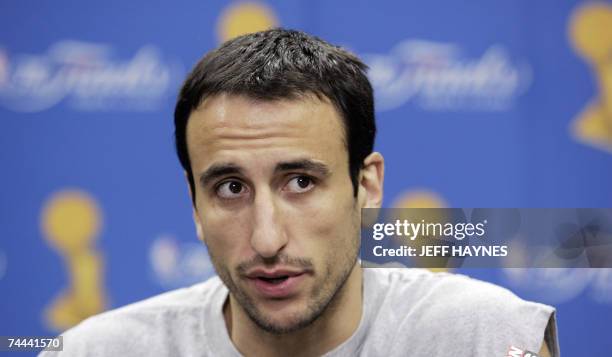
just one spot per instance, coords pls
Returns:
(337, 324)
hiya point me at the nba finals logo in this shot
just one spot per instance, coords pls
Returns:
(86, 76)
(70, 223)
(591, 36)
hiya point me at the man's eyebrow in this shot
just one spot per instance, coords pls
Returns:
(218, 170)
(306, 165)
(223, 169)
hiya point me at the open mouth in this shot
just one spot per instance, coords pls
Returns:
(275, 280)
(278, 284)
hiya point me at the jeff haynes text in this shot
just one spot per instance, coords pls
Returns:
(442, 251)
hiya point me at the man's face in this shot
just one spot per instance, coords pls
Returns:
(275, 204)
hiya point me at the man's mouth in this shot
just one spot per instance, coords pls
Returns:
(278, 283)
(278, 280)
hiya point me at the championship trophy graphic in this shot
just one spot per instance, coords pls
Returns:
(591, 36)
(70, 223)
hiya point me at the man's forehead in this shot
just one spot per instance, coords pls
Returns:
(221, 106)
(307, 114)
(229, 127)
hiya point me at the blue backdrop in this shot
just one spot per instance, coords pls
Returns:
(479, 104)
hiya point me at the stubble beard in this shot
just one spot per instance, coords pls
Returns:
(322, 298)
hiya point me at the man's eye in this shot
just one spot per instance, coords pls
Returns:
(300, 184)
(231, 189)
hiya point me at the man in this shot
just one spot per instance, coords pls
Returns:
(275, 131)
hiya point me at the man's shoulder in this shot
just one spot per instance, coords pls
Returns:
(448, 289)
(471, 310)
(171, 302)
(144, 323)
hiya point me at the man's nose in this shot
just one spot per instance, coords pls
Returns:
(268, 237)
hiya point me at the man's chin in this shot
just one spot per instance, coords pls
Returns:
(281, 317)
(279, 325)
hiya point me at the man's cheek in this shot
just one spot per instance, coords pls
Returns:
(230, 241)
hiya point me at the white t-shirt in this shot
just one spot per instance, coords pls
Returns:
(407, 312)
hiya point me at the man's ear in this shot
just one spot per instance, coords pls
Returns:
(198, 226)
(196, 218)
(371, 181)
